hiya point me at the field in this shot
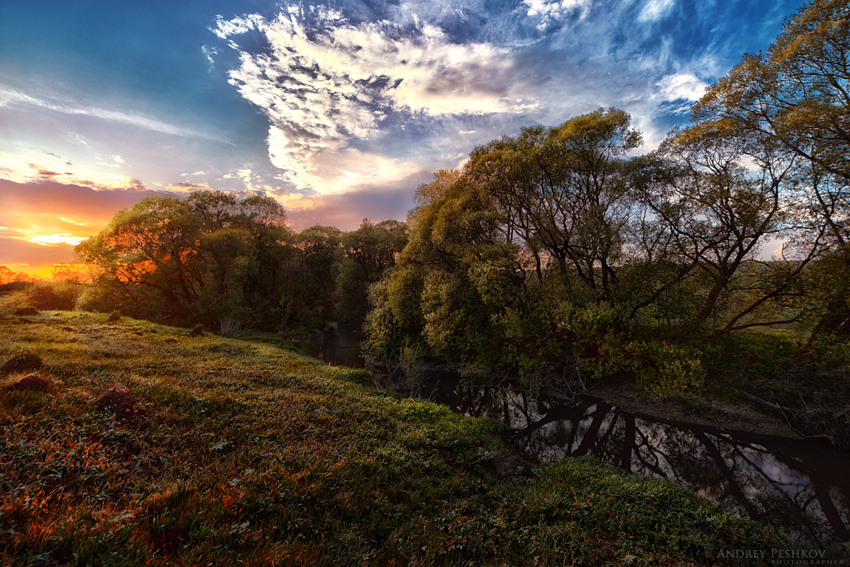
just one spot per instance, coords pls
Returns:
(239, 452)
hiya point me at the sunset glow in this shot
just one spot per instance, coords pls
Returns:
(56, 239)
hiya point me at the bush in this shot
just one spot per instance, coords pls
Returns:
(107, 296)
(53, 297)
(671, 369)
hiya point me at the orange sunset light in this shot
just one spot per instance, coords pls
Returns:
(54, 272)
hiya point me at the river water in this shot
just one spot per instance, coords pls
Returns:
(802, 487)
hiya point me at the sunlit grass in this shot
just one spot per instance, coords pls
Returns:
(242, 452)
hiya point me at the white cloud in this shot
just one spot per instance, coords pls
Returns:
(322, 88)
(552, 10)
(654, 10)
(10, 97)
(680, 86)
(351, 104)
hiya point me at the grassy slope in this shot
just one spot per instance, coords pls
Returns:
(242, 451)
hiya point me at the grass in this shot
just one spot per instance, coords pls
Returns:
(243, 453)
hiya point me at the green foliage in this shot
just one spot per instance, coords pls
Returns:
(187, 261)
(627, 515)
(671, 369)
(53, 297)
(46, 296)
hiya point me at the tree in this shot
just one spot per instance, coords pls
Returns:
(504, 256)
(717, 214)
(798, 93)
(797, 97)
(560, 193)
(184, 261)
(370, 251)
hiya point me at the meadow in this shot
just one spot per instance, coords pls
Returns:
(240, 452)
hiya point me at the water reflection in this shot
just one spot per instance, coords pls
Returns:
(799, 486)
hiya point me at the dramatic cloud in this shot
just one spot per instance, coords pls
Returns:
(335, 82)
(354, 100)
(337, 109)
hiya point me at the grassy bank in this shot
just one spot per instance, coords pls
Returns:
(242, 453)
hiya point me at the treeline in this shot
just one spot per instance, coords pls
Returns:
(230, 264)
(555, 253)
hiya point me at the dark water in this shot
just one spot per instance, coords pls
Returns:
(802, 487)
(342, 348)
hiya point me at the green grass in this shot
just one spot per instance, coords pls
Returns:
(243, 453)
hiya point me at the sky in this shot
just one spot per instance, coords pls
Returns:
(339, 109)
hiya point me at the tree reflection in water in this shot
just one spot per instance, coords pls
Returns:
(799, 486)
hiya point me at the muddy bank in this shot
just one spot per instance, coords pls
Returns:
(705, 410)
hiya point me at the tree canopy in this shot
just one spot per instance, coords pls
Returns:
(212, 258)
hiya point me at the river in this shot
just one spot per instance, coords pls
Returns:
(802, 487)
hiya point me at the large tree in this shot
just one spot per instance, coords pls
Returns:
(506, 257)
(798, 92)
(796, 97)
(185, 260)
(716, 197)
(560, 193)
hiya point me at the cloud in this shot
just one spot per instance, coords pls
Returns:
(550, 11)
(186, 187)
(24, 172)
(325, 84)
(365, 95)
(681, 86)
(15, 252)
(45, 208)
(47, 239)
(655, 10)
(41, 221)
(346, 211)
(338, 88)
(10, 97)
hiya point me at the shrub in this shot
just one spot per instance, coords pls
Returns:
(670, 369)
(53, 297)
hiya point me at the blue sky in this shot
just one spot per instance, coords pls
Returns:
(338, 109)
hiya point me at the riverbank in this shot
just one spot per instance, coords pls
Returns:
(706, 410)
(237, 451)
